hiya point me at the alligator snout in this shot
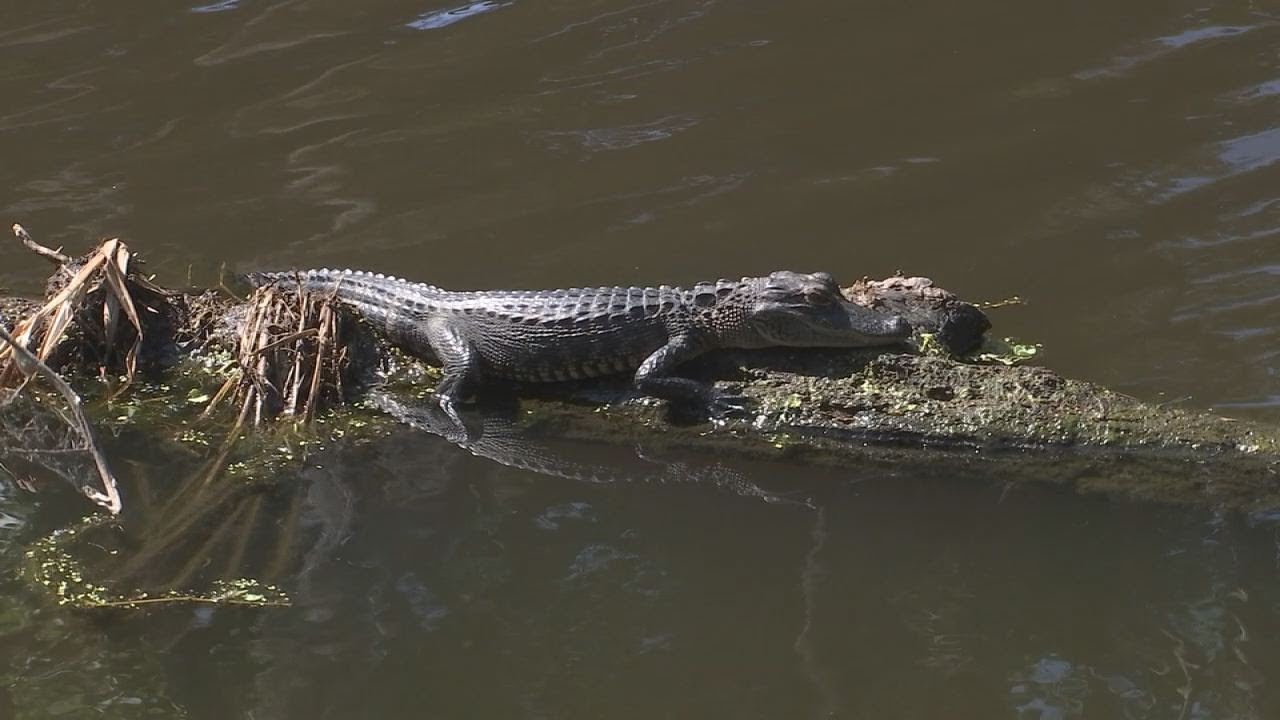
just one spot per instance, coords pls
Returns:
(877, 327)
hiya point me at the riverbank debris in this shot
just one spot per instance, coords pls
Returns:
(43, 328)
(278, 353)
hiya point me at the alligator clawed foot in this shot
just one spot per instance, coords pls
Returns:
(723, 406)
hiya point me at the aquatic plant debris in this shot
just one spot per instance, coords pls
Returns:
(102, 318)
(51, 566)
(102, 271)
(1006, 351)
(19, 366)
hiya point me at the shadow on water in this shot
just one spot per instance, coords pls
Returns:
(494, 573)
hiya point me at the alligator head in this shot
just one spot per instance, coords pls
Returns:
(808, 310)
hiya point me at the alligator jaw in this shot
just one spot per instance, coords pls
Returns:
(869, 327)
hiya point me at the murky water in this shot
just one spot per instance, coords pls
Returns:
(1114, 164)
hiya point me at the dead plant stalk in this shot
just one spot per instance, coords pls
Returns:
(28, 363)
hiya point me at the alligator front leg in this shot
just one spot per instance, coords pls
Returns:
(652, 378)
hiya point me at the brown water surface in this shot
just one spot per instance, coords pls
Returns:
(1117, 165)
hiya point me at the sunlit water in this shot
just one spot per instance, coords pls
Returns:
(1113, 164)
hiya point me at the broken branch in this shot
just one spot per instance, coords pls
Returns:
(54, 256)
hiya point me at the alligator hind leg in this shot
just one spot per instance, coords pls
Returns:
(459, 366)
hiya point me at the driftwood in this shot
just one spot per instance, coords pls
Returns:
(285, 354)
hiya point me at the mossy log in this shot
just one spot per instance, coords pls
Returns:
(911, 415)
(923, 410)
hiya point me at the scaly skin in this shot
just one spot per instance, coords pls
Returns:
(552, 335)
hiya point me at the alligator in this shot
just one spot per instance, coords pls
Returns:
(577, 333)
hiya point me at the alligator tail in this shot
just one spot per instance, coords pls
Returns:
(378, 298)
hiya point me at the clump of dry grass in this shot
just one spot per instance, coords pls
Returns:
(280, 353)
(287, 346)
(105, 271)
(289, 357)
(44, 329)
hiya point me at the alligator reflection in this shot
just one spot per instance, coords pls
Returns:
(497, 436)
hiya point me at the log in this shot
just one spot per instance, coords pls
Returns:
(924, 408)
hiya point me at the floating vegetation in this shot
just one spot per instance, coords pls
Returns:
(1006, 352)
(52, 565)
(1006, 302)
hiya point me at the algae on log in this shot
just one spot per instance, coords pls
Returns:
(934, 416)
(936, 401)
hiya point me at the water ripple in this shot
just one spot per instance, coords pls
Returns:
(436, 19)
(625, 136)
(216, 7)
(595, 19)
(1251, 152)
(1159, 48)
(270, 31)
(1224, 160)
(41, 32)
(1259, 91)
(552, 517)
(1196, 35)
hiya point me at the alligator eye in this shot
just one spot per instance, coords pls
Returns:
(816, 297)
